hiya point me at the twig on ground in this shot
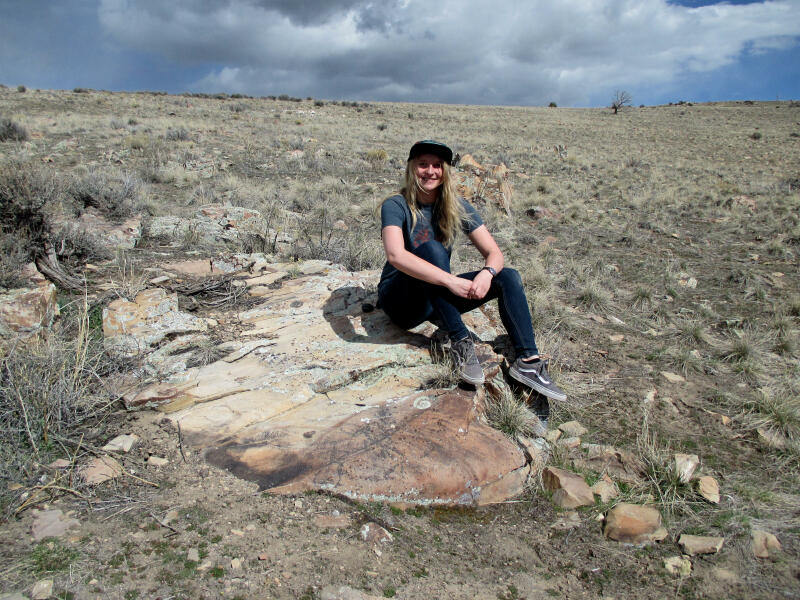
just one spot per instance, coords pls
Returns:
(180, 442)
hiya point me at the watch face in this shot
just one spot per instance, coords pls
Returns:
(491, 270)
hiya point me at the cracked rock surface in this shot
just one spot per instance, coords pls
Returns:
(317, 393)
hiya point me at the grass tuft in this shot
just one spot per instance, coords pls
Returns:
(511, 415)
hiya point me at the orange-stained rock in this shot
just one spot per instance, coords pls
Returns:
(634, 524)
(28, 310)
(422, 449)
(569, 489)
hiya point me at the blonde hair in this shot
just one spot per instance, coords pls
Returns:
(448, 212)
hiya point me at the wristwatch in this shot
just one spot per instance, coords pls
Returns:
(491, 271)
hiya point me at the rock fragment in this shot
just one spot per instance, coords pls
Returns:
(700, 544)
(156, 461)
(764, 544)
(343, 592)
(678, 565)
(673, 377)
(121, 443)
(634, 524)
(605, 488)
(332, 521)
(685, 466)
(28, 310)
(51, 523)
(708, 488)
(374, 534)
(101, 469)
(42, 589)
(568, 520)
(573, 429)
(569, 489)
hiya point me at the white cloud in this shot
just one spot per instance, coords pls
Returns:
(471, 51)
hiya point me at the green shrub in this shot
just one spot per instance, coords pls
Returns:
(27, 195)
(115, 195)
(22, 89)
(11, 131)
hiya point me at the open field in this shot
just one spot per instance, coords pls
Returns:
(657, 240)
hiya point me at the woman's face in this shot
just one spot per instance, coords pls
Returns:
(428, 169)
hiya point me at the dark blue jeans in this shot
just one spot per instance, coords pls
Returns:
(408, 301)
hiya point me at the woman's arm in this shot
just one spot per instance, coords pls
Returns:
(493, 257)
(403, 260)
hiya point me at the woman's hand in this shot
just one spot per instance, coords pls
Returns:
(459, 286)
(480, 285)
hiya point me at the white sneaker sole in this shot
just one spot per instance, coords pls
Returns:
(531, 383)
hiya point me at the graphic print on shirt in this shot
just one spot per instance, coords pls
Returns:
(422, 235)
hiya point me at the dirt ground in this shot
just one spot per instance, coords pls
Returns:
(609, 236)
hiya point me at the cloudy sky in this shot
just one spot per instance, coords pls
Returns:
(521, 52)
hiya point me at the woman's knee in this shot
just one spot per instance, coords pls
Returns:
(509, 277)
(435, 253)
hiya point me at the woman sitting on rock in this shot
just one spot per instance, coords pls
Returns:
(419, 227)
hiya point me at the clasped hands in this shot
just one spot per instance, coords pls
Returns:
(475, 289)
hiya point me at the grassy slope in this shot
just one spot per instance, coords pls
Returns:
(641, 202)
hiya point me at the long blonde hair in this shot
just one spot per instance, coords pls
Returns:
(448, 211)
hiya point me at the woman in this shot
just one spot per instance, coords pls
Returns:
(418, 228)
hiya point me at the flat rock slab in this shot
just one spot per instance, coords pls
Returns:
(318, 394)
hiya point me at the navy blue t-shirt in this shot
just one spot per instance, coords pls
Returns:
(395, 211)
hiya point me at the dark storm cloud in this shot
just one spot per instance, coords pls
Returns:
(471, 51)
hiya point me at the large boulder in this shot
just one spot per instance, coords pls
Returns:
(319, 391)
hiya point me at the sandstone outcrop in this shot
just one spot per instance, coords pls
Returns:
(319, 391)
(28, 310)
(212, 225)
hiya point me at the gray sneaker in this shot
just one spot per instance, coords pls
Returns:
(534, 375)
(465, 360)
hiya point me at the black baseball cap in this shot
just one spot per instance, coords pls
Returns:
(431, 147)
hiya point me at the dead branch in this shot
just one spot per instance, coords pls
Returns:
(48, 265)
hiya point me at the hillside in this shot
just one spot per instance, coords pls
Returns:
(659, 250)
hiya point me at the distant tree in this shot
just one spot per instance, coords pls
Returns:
(621, 98)
(553, 105)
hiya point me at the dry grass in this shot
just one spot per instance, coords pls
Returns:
(629, 209)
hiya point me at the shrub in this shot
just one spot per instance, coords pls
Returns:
(176, 135)
(377, 157)
(47, 389)
(9, 130)
(26, 190)
(116, 195)
(22, 89)
(553, 105)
